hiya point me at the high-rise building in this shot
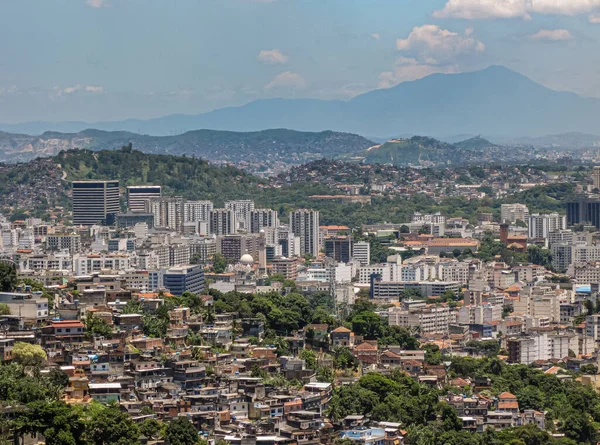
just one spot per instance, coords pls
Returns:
(202, 250)
(182, 279)
(95, 202)
(596, 177)
(361, 251)
(339, 248)
(289, 243)
(288, 267)
(232, 247)
(138, 197)
(242, 209)
(541, 225)
(222, 222)
(582, 210)
(511, 213)
(304, 223)
(168, 212)
(194, 211)
(261, 218)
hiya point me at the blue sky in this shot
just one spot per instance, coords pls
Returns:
(98, 60)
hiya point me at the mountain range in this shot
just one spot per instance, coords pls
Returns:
(277, 145)
(493, 101)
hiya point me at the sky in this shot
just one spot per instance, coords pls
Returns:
(103, 60)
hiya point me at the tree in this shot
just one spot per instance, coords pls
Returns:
(94, 325)
(132, 307)
(28, 355)
(589, 369)
(57, 421)
(181, 432)
(219, 263)
(150, 428)
(8, 277)
(112, 427)
(4, 309)
(343, 359)
(309, 358)
(540, 256)
(325, 374)
(404, 229)
(433, 355)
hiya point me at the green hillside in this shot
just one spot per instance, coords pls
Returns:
(414, 151)
(179, 175)
(425, 151)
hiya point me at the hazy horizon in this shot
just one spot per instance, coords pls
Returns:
(106, 60)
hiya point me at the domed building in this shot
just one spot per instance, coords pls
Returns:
(247, 260)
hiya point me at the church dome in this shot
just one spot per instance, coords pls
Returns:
(247, 259)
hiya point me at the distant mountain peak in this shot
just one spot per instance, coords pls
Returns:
(495, 100)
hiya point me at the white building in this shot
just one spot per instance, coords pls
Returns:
(261, 218)
(223, 222)
(139, 196)
(479, 314)
(87, 264)
(526, 350)
(361, 251)
(453, 271)
(539, 302)
(304, 224)
(387, 271)
(429, 320)
(168, 212)
(194, 211)
(596, 177)
(560, 236)
(512, 213)
(242, 209)
(540, 226)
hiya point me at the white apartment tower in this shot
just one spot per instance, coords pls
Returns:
(304, 223)
(261, 218)
(139, 196)
(194, 211)
(242, 209)
(168, 212)
(596, 177)
(361, 251)
(223, 222)
(511, 213)
(540, 226)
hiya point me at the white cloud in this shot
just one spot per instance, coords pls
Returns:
(432, 45)
(429, 49)
(94, 89)
(484, 9)
(286, 80)
(84, 88)
(11, 89)
(551, 34)
(564, 7)
(376, 36)
(407, 69)
(594, 18)
(97, 3)
(272, 57)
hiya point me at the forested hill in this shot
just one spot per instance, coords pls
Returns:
(179, 175)
(277, 145)
(426, 151)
